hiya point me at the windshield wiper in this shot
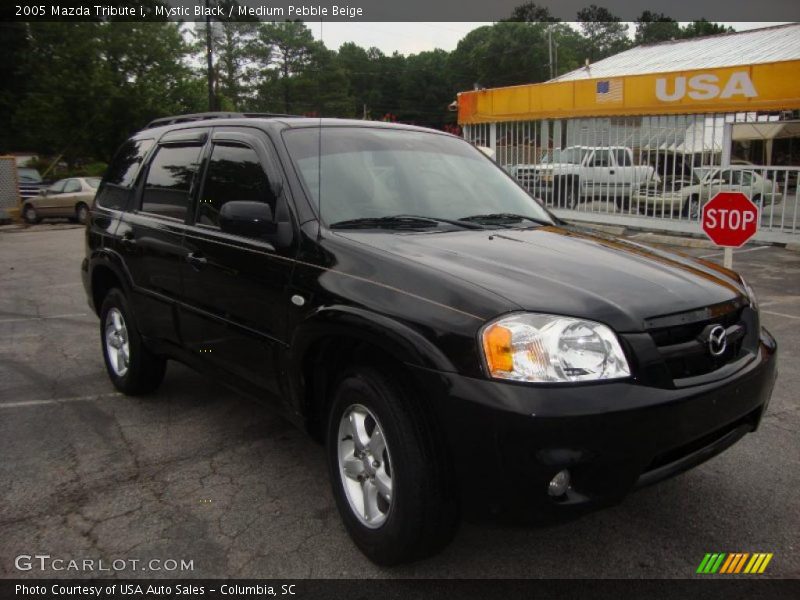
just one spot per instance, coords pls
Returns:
(503, 218)
(399, 222)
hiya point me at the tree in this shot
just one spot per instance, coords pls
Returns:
(702, 28)
(233, 72)
(14, 47)
(284, 51)
(427, 89)
(652, 28)
(506, 53)
(91, 84)
(531, 13)
(361, 69)
(604, 32)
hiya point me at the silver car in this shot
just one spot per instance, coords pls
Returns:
(70, 198)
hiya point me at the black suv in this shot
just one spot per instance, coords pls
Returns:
(391, 290)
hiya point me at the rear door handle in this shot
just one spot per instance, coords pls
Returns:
(197, 261)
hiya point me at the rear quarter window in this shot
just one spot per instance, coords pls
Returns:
(115, 190)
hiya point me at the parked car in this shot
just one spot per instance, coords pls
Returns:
(687, 196)
(70, 198)
(394, 292)
(30, 182)
(584, 173)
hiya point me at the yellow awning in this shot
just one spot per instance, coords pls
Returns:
(761, 87)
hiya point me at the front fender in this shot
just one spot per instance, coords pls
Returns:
(397, 339)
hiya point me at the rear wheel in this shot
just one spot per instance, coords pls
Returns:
(132, 368)
(30, 215)
(389, 472)
(691, 208)
(81, 213)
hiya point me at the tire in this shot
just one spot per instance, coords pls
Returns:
(567, 192)
(143, 371)
(691, 208)
(30, 215)
(81, 213)
(419, 514)
(757, 201)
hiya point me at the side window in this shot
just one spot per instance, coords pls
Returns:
(169, 181)
(72, 186)
(747, 177)
(121, 174)
(623, 158)
(602, 158)
(234, 172)
(57, 187)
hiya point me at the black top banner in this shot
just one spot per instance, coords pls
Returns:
(387, 10)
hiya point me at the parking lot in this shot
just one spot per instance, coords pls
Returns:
(195, 473)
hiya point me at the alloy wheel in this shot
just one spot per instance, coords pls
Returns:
(365, 466)
(117, 345)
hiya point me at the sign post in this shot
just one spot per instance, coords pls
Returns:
(730, 219)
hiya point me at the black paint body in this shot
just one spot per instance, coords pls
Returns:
(223, 304)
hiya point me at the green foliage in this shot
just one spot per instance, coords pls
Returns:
(652, 28)
(531, 13)
(77, 89)
(702, 28)
(604, 32)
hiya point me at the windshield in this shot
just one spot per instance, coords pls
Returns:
(572, 156)
(29, 175)
(701, 173)
(371, 173)
(93, 182)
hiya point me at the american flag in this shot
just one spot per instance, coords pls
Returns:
(609, 90)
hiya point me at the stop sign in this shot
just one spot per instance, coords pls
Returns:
(730, 219)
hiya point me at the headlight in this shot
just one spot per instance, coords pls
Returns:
(751, 295)
(551, 349)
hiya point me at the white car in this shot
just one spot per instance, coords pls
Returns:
(687, 197)
(584, 173)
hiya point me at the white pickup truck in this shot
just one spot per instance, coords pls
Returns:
(581, 173)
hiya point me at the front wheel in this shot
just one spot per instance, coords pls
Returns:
(389, 473)
(30, 215)
(132, 368)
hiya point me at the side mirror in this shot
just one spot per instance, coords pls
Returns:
(247, 218)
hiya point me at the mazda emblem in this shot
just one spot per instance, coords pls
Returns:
(717, 340)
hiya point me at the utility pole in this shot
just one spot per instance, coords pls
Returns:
(209, 60)
(550, 49)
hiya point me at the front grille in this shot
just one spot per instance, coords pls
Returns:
(682, 340)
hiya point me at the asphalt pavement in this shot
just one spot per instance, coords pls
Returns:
(195, 473)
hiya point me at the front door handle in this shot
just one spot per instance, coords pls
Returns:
(196, 260)
(128, 242)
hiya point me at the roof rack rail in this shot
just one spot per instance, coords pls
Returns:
(187, 118)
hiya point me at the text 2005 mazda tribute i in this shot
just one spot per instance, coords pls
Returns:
(393, 291)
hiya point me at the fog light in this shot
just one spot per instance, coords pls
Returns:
(559, 484)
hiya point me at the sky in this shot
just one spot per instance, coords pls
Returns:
(411, 38)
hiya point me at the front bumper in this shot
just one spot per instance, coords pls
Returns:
(507, 440)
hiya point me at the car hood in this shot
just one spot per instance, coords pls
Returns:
(564, 270)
